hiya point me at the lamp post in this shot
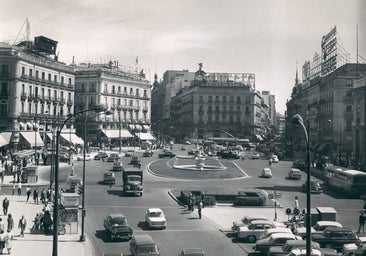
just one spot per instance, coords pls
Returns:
(35, 143)
(298, 120)
(56, 175)
(83, 211)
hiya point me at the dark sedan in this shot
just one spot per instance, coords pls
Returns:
(167, 154)
(116, 227)
(335, 237)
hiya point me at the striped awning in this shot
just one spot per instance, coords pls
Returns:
(33, 138)
(115, 133)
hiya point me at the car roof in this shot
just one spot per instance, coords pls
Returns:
(328, 223)
(255, 217)
(193, 251)
(279, 235)
(155, 210)
(266, 169)
(278, 230)
(337, 229)
(143, 239)
(261, 222)
(295, 170)
(117, 215)
(302, 251)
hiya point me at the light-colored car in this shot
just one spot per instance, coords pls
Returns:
(301, 231)
(245, 221)
(266, 173)
(192, 252)
(294, 174)
(320, 226)
(302, 252)
(155, 218)
(254, 230)
(87, 158)
(274, 158)
(355, 248)
(277, 239)
(271, 231)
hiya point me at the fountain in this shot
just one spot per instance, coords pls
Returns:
(200, 164)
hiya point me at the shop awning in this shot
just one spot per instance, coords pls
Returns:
(33, 138)
(3, 141)
(7, 136)
(25, 153)
(115, 133)
(146, 127)
(145, 136)
(72, 138)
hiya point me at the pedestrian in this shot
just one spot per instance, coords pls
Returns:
(29, 192)
(10, 221)
(5, 205)
(296, 209)
(200, 206)
(13, 187)
(191, 202)
(2, 225)
(48, 194)
(2, 241)
(35, 196)
(43, 196)
(46, 222)
(22, 225)
(19, 188)
(361, 222)
(270, 161)
(8, 242)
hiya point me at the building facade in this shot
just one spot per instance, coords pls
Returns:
(126, 94)
(37, 91)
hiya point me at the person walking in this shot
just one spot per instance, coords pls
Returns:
(29, 192)
(296, 209)
(2, 241)
(5, 205)
(13, 187)
(43, 196)
(19, 188)
(361, 223)
(8, 242)
(35, 196)
(10, 221)
(22, 225)
(200, 206)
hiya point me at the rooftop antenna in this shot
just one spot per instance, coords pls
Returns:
(27, 32)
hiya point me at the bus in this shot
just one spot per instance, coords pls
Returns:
(347, 181)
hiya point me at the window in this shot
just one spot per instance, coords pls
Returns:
(131, 103)
(137, 93)
(113, 89)
(23, 70)
(4, 70)
(29, 107)
(49, 93)
(106, 88)
(125, 90)
(3, 108)
(62, 95)
(62, 80)
(23, 88)
(43, 76)
(131, 91)
(55, 94)
(30, 72)
(4, 89)
(37, 74)
(69, 81)
(55, 78)
(119, 89)
(92, 87)
(349, 108)
(49, 77)
(145, 93)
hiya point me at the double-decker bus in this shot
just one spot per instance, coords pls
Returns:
(347, 181)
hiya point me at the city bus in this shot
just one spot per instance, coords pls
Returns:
(351, 182)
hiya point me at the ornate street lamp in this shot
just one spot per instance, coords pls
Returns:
(298, 120)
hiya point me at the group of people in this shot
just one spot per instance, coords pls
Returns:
(199, 202)
(43, 221)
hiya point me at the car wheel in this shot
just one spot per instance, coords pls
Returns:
(329, 246)
(252, 239)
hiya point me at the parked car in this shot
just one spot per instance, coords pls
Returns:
(294, 174)
(274, 158)
(101, 155)
(142, 245)
(192, 252)
(109, 178)
(155, 218)
(167, 154)
(246, 220)
(87, 158)
(253, 231)
(301, 231)
(321, 225)
(117, 166)
(315, 187)
(271, 231)
(116, 227)
(251, 197)
(355, 248)
(147, 153)
(289, 246)
(278, 239)
(230, 155)
(266, 173)
(335, 237)
(302, 252)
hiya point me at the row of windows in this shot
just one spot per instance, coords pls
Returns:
(43, 91)
(114, 90)
(129, 114)
(34, 108)
(124, 102)
(223, 98)
(43, 76)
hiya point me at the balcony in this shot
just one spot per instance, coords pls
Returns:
(23, 96)
(30, 97)
(62, 101)
(70, 102)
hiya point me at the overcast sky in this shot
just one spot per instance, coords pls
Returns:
(267, 37)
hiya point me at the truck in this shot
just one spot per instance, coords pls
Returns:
(132, 181)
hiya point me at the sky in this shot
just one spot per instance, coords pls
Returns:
(270, 38)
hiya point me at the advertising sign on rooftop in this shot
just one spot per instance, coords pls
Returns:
(329, 52)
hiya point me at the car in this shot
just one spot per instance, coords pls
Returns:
(147, 153)
(302, 252)
(301, 231)
(246, 220)
(355, 248)
(255, 156)
(253, 231)
(294, 174)
(335, 237)
(274, 158)
(315, 187)
(271, 231)
(230, 155)
(299, 164)
(87, 158)
(116, 226)
(109, 178)
(251, 197)
(117, 166)
(142, 245)
(101, 156)
(266, 173)
(192, 252)
(135, 161)
(289, 246)
(155, 218)
(112, 157)
(321, 225)
(277, 239)
(75, 184)
(167, 154)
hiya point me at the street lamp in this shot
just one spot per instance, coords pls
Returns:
(83, 211)
(56, 175)
(298, 120)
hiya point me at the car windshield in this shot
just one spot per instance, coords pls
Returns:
(147, 249)
(118, 221)
(155, 214)
(134, 178)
